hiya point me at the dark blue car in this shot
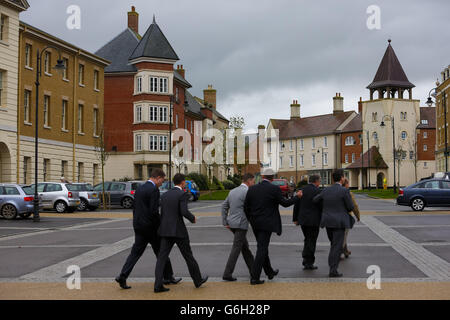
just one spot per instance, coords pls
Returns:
(426, 193)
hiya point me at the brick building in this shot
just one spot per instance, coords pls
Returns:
(426, 141)
(442, 120)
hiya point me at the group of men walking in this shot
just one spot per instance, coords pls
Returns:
(250, 204)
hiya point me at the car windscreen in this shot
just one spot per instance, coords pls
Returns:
(28, 190)
(77, 187)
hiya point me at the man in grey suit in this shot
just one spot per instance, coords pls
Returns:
(336, 204)
(233, 217)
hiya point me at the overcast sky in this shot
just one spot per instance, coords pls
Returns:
(262, 54)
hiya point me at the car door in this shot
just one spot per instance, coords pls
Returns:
(52, 192)
(116, 191)
(46, 203)
(433, 191)
(444, 199)
(2, 196)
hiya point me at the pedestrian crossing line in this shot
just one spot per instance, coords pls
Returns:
(427, 262)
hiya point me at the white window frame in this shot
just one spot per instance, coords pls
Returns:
(163, 85)
(4, 27)
(95, 122)
(325, 158)
(28, 55)
(425, 135)
(153, 142)
(47, 62)
(139, 84)
(425, 147)
(346, 158)
(46, 110)
(302, 144)
(353, 157)
(1, 87)
(313, 143)
(63, 115)
(138, 142)
(153, 114)
(291, 161)
(291, 145)
(163, 143)
(281, 161)
(138, 114)
(302, 160)
(153, 84)
(80, 118)
(404, 135)
(81, 74)
(163, 114)
(325, 142)
(313, 159)
(26, 106)
(65, 72)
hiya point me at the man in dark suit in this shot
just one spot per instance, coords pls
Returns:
(307, 214)
(336, 204)
(146, 222)
(174, 206)
(261, 206)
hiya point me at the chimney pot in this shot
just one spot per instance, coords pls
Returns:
(133, 20)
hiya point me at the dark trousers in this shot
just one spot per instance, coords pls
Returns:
(240, 244)
(262, 254)
(309, 247)
(336, 237)
(185, 248)
(141, 239)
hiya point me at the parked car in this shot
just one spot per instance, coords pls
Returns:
(166, 186)
(287, 189)
(89, 199)
(427, 193)
(192, 188)
(16, 201)
(119, 193)
(57, 196)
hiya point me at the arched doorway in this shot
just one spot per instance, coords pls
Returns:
(5, 163)
(380, 178)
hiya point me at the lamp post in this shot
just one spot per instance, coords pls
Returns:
(170, 139)
(391, 118)
(444, 105)
(59, 67)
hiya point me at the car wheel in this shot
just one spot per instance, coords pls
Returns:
(83, 205)
(127, 203)
(60, 207)
(417, 204)
(9, 211)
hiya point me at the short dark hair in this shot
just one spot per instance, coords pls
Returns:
(314, 178)
(247, 177)
(178, 178)
(157, 173)
(337, 175)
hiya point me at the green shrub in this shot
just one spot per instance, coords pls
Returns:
(200, 179)
(237, 179)
(228, 184)
(218, 184)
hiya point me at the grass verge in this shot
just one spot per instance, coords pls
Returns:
(378, 193)
(215, 195)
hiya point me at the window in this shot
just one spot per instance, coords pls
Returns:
(162, 143)
(26, 106)
(158, 114)
(80, 171)
(153, 116)
(10, 191)
(81, 75)
(403, 155)
(325, 158)
(96, 80)
(47, 62)
(301, 144)
(138, 114)
(425, 164)
(404, 135)
(95, 124)
(95, 172)
(80, 118)
(403, 115)
(291, 146)
(163, 88)
(139, 84)
(64, 165)
(325, 141)
(163, 114)
(425, 147)
(425, 135)
(46, 111)
(65, 71)
(64, 115)
(176, 121)
(46, 169)
(374, 116)
(3, 28)
(360, 139)
(353, 157)
(26, 169)
(269, 147)
(375, 135)
(411, 155)
(153, 84)
(153, 143)
(1, 88)
(349, 141)
(313, 143)
(177, 98)
(424, 121)
(445, 184)
(346, 158)
(28, 53)
(291, 161)
(138, 146)
(313, 160)
(281, 162)
(302, 162)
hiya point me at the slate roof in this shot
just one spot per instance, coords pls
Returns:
(214, 110)
(354, 125)
(154, 45)
(118, 51)
(20, 3)
(192, 104)
(181, 79)
(390, 72)
(429, 114)
(363, 162)
(310, 126)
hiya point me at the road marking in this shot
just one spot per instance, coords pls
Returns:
(427, 262)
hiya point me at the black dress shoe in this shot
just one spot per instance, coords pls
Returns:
(310, 267)
(335, 275)
(162, 289)
(122, 282)
(202, 282)
(273, 274)
(253, 282)
(172, 281)
(229, 278)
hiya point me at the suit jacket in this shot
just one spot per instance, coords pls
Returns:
(261, 206)
(146, 207)
(306, 212)
(233, 209)
(174, 206)
(336, 204)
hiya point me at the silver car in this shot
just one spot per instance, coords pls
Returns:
(89, 199)
(16, 200)
(56, 195)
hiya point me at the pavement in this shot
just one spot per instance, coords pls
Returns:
(411, 250)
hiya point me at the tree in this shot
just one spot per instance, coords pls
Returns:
(102, 155)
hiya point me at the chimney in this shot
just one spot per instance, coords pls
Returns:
(295, 110)
(133, 20)
(338, 103)
(209, 96)
(360, 105)
(181, 70)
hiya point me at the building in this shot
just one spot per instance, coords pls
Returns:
(442, 119)
(141, 89)
(426, 143)
(308, 145)
(9, 77)
(70, 109)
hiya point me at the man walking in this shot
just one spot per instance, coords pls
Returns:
(233, 217)
(307, 214)
(336, 203)
(261, 207)
(174, 206)
(146, 222)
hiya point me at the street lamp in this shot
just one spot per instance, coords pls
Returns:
(60, 67)
(391, 118)
(170, 138)
(444, 105)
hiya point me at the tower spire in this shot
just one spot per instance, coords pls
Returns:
(154, 19)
